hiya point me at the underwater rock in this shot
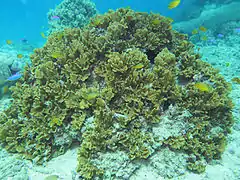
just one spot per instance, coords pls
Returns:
(6, 59)
(11, 168)
(18, 65)
(4, 73)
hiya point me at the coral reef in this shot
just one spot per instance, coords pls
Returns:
(10, 64)
(71, 14)
(110, 87)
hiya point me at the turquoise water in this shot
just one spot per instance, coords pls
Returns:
(27, 18)
(125, 98)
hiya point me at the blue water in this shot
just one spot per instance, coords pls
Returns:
(27, 18)
(24, 20)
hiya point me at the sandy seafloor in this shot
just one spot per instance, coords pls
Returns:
(226, 50)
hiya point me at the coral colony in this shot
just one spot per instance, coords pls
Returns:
(108, 85)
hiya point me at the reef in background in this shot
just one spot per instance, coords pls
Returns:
(128, 84)
(10, 64)
(211, 18)
(71, 14)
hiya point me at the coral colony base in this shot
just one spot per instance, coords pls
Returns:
(115, 86)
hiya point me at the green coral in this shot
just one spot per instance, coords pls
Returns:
(113, 82)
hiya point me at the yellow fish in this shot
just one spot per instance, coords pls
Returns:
(9, 42)
(202, 28)
(138, 66)
(156, 22)
(170, 19)
(5, 90)
(2, 82)
(204, 38)
(91, 96)
(43, 35)
(19, 56)
(60, 36)
(195, 31)
(97, 21)
(202, 86)
(173, 4)
(56, 54)
(236, 80)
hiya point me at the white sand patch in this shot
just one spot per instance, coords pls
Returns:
(64, 166)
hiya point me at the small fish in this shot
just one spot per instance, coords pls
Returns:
(202, 28)
(9, 42)
(55, 18)
(228, 64)
(43, 35)
(195, 31)
(237, 30)
(60, 35)
(15, 77)
(170, 19)
(57, 54)
(138, 66)
(5, 90)
(24, 40)
(96, 22)
(19, 56)
(236, 80)
(173, 4)
(220, 35)
(156, 22)
(204, 38)
(91, 96)
(202, 86)
(117, 115)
